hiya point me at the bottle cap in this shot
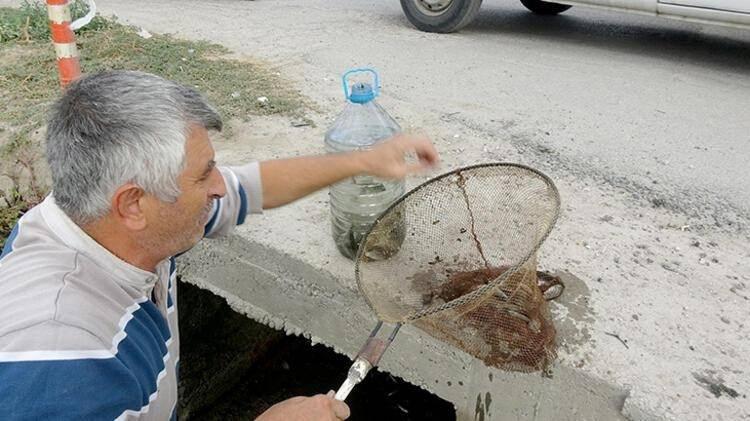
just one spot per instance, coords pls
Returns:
(361, 93)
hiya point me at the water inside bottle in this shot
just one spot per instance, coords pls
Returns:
(357, 201)
(355, 206)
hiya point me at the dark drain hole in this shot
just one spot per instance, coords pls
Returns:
(232, 368)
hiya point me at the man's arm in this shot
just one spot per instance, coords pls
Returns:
(257, 186)
(286, 180)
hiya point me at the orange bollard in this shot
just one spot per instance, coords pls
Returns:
(64, 40)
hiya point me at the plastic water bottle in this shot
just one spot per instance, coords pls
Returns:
(356, 202)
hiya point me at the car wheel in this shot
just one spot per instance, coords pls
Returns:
(440, 15)
(544, 7)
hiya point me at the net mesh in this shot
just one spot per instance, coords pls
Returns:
(457, 257)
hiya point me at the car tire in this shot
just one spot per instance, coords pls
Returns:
(441, 16)
(544, 7)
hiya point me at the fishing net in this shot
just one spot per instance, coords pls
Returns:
(456, 256)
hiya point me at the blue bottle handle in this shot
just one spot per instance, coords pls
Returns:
(376, 80)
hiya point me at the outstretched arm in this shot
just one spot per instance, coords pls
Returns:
(286, 180)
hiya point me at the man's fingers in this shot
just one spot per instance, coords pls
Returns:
(416, 168)
(393, 158)
(340, 409)
(428, 155)
(424, 150)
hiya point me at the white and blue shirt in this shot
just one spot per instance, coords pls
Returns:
(85, 335)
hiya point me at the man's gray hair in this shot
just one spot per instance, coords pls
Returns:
(116, 127)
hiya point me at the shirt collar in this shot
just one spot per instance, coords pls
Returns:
(74, 237)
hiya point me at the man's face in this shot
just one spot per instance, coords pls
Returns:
(176, 227)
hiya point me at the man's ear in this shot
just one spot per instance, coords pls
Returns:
(127, 207)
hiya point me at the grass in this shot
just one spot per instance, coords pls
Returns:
(29, 84)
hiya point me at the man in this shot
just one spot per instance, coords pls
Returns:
(88, 321)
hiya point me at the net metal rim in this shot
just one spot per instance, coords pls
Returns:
(490, 285)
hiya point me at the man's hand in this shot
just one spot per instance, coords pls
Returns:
(389, 159)
(315, 408)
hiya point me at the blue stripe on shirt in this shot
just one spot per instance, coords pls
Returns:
(243, 206)
(172, 270)
(214, 217)
(150, 315)
(170, 303)
(143, 354)
(8, 247)
(90, 388)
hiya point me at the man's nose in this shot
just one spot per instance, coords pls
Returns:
(217, 187)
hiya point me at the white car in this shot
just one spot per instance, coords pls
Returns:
(452, 15)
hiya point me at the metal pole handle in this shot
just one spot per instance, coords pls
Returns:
(367, 358)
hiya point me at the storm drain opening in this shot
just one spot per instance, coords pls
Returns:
(233, 368)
